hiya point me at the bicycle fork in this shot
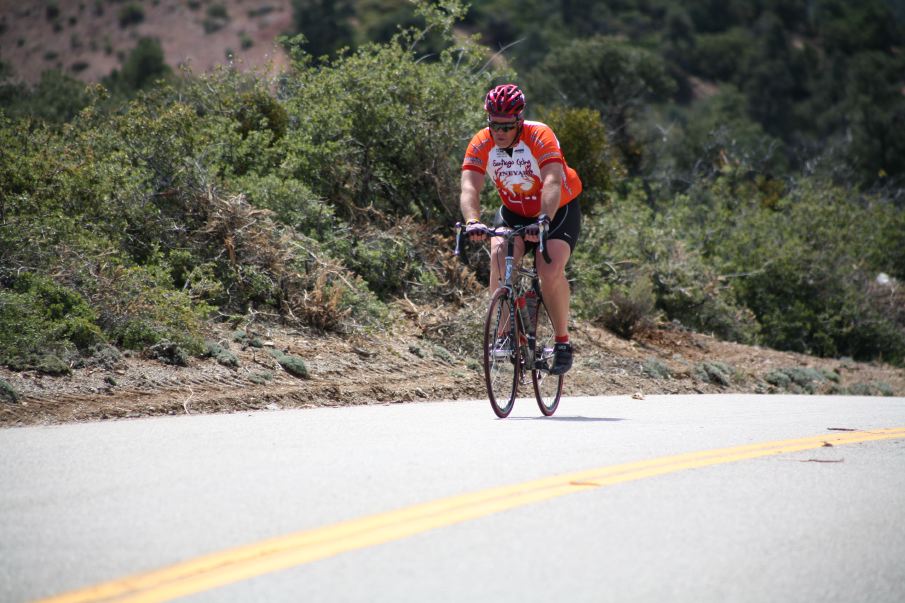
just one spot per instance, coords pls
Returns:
(526, 306)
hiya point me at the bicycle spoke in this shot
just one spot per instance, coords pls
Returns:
(547, 387)
(501, 358)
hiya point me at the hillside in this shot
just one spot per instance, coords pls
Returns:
(88, 40)
(185, 217)
(409, 366)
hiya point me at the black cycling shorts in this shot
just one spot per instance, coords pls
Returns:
(566, 224)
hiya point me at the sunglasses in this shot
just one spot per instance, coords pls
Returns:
(502, 126)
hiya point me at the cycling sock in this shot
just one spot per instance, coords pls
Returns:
(562, 339)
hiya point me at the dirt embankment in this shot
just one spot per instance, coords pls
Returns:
(410, 365)
(88, 40)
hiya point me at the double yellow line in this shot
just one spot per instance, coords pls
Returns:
(218, 569)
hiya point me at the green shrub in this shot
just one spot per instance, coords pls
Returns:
(217, 11)
(873, 388)
(608, 75)
(631, 308)
(102, 355)
(7, 393)
(806, 378)
(381, 128)
(293, 204)
(809, 264)
(248, 338)
(131, 14)
(56, 97)
(216, 19)
(585, 144)
(254, 13)
(260, 377)
(720, 55)
(384, 262)
(627, 244)
(221, 354)
(51, 364)
(139, 308)
(168, 352)
(655, 369)
(52, 10)
(778, 378)
(796, 379)
(717, 373)
(44, 325)
(292, 364)
(144, 65)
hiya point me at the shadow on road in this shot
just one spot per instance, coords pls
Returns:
(578, 418)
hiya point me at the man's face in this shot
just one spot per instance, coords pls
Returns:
(504, 130)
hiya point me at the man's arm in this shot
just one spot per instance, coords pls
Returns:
(470, 197)
(551, 193)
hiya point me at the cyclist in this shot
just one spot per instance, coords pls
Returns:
(525, 162)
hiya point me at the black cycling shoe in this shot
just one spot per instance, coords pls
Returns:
(562, 358)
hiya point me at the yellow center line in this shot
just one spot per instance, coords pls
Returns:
(218, 569)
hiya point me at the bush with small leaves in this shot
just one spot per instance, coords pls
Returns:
(873, 388)
(168, 352)
(131, 14)
(102, 355)
(717, 373)
(631, 308)
(293, 365)
(261, 377)
(778, 378)
(7, 393)
(221, 354)
(655, 369)
(44, 325)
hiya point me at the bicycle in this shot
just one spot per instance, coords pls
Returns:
(510, 349)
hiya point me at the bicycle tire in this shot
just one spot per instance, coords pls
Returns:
(547, 387)
(502, 363)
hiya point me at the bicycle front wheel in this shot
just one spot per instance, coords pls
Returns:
(501, 354)
(547, 387)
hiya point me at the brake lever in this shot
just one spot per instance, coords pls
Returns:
(542, 239)
(460, 247)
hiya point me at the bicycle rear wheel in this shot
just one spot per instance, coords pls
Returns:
(547, 387)
(501, 355)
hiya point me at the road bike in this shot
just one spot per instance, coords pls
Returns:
(518, 330)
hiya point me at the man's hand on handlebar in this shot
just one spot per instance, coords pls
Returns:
(532, 232)
(475, 230)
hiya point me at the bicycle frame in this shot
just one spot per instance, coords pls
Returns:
(511, 234)
(512, 328)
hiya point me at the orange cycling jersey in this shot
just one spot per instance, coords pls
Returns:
(516, 171)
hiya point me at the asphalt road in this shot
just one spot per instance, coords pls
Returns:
(82, 505)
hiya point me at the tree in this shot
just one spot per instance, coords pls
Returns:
(56, 98)
(325, 25)
(718, 136)
(851, 27)
(586, 146)
(609, 75)
(875, 111)
(145, 65)
(769, 81)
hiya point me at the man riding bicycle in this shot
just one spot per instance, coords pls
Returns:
(536, 185)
